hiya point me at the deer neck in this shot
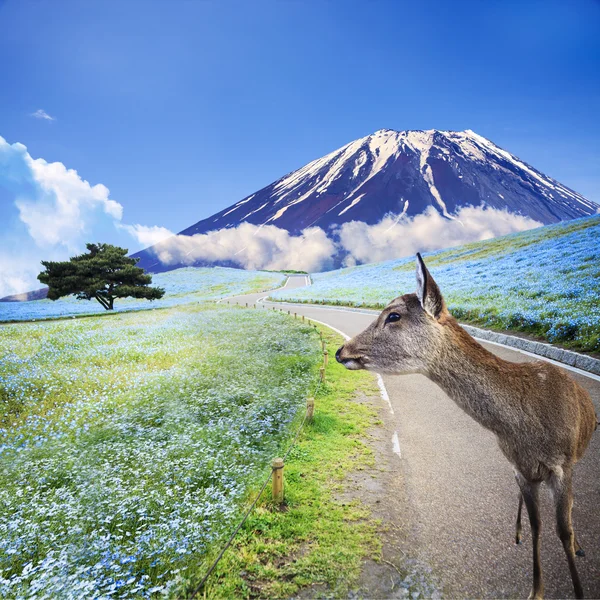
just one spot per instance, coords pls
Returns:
(477, 380)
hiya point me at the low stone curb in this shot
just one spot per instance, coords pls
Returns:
(574, 359)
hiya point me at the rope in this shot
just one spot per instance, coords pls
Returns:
(254, 502)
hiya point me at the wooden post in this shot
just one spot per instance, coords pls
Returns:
(295, 316)
(303, 318)
(277, 466)
(310, 409)
(288, 312)
(325, 357)
(246, 305)
(324, 344)
(322, 374)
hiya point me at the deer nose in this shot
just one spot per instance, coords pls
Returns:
(337, 354)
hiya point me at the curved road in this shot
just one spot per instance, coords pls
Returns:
(454, 493)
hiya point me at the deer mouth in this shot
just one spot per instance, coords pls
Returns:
(352, 363)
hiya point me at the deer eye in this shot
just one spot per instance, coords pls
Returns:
(392, 318)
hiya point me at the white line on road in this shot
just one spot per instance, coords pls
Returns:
(384, 393)
(396, 444)
(346, 337)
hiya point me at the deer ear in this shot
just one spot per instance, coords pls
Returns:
(428, 291)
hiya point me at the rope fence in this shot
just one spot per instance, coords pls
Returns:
(277, 465)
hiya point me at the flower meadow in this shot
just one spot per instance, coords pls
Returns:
(545, 281)
(128, 443)
(182, 286)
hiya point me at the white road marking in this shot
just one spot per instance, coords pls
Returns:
(241, 295)
(396, 444)
(360, 311)
(346, 337)
(384, 393)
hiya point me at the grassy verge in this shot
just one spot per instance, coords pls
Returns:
(316, 539)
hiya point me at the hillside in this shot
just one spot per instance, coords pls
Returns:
(545, 281)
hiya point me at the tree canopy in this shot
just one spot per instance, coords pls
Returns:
(103, 273)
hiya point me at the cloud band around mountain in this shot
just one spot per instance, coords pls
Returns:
(268, 247)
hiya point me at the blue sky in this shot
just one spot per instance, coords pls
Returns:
(181, 108)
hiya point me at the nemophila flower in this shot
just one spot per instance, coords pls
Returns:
(128, 444)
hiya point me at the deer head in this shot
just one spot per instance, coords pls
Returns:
(406, 337)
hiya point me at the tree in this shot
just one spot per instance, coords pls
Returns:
(105, 272)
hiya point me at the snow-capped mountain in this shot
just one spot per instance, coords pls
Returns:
(399, 172)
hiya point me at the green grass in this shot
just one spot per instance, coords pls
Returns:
(317, 539)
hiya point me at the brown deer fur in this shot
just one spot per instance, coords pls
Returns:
(542, 418)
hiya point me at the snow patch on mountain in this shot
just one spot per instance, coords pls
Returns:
(354, 203)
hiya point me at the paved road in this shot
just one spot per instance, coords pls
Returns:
(458, 495)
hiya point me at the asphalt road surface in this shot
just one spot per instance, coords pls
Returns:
(459, 497)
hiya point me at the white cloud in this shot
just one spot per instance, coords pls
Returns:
(148, 236)
(394, 238)
(18, 271)
(53, 213)
(269, 247)
(55, 204)
(40, 113)
(252, 247)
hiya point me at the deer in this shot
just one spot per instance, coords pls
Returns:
(542, 418)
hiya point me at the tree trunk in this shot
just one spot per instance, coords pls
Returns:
(103, 302)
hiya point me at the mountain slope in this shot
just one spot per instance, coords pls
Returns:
(400, 172)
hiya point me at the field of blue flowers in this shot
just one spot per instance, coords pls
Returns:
(545, 281)
(181, 287)
(128, 443)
